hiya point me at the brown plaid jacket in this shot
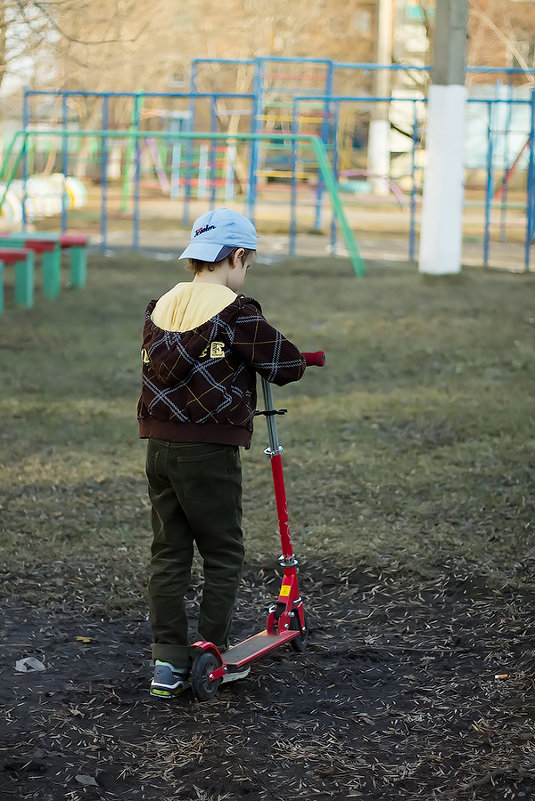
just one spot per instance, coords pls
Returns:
(200, 385)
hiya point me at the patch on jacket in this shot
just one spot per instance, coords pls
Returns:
(216, 350)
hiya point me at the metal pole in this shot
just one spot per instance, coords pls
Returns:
(7, 157)
(504, 184)
(137, 164)
(64, 161)
(330, 183)
(213, 153)
(11, 175)
(331, 134)
(326, 139)
(530, 186)
(335, 169)
(270, 418)
(104, 177)
(489, 183)
(254, 152)
(532, 177)
(412, 228)
(188, 164)
(25, 122)
(293, 199)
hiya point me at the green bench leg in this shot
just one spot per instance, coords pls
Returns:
(1, 287)
(24, 282)
(51, 273)
(78, 266)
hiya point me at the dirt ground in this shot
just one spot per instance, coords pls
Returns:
(395, 698)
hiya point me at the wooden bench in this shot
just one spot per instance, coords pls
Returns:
(51, 259)
(76, 244)
(23, 260)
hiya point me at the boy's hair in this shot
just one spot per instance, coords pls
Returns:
(196, 266)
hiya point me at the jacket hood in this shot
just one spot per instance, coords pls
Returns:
(170, 355)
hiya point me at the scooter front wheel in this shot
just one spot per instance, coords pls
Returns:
(203, 687)
(299, 643)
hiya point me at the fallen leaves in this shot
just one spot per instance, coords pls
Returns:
(394, 698)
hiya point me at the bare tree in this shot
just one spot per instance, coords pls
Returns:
(502, 33)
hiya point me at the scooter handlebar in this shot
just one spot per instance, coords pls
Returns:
(316, 359)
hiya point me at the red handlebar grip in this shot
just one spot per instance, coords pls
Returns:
(316, 359)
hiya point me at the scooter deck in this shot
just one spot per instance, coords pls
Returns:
(255, 647)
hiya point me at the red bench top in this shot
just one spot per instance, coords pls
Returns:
(36, 244)
(40, 245)
(12, 255)
(73, 240)
(65, 240)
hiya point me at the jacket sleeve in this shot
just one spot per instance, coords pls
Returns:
(264, 348)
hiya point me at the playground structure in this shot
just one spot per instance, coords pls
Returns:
(257, 149)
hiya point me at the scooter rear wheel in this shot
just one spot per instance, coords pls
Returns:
(299, 643)
(203, 665)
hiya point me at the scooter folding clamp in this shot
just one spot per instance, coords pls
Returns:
(288, 561)
(276, 452)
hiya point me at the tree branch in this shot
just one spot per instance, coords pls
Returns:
(484, 17)
(57, 27)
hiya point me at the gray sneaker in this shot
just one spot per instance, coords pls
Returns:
(168, 681)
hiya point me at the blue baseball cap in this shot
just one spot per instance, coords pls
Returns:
(215, 234)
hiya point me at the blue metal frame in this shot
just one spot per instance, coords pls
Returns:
(489, 184)
(104, 173)
(336, 100)
(504, 184)
(137, 171)
(330, 101)
(64, 161)
(412, 225)
(25, 124)
(530, 203)
(138, 97)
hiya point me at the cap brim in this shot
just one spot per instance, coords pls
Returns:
(203, 251)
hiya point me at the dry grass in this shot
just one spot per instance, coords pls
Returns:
(412, 451)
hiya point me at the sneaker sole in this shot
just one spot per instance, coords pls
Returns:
(169, 692)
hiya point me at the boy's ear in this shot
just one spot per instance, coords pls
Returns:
(238, 254)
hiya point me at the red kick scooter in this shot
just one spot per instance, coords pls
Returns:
(286, 620)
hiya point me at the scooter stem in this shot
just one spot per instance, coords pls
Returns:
(274, 452)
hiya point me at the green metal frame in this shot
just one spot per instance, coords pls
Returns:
(314, 141)
(130, 152)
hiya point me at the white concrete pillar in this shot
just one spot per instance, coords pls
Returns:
(443, 196)
(442, 210)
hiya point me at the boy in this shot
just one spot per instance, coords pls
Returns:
(202, 346)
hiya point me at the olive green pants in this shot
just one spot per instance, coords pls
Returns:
(195, 492)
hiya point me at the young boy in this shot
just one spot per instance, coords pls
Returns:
(202, 346)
